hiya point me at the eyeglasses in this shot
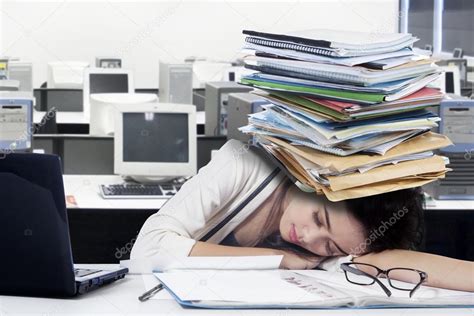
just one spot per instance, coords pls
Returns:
(367, 274)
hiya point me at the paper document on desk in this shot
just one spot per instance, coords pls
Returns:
(166, 263)
(296, 289)
(219, 263)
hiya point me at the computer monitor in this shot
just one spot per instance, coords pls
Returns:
(103, 106)
(155, 142)
(66, 74)
(452, 81)
(460, 63)
(105, 80)
(108, 62)
(449, 81)
(206, 71)
(16, 121)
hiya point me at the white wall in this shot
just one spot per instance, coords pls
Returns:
(1, 28)
(143, 32)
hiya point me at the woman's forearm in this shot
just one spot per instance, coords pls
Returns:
(443, 272)
(289, 261)
(207, 249)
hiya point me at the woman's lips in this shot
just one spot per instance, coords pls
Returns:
(293, 235)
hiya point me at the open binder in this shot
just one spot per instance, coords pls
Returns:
(302, 289)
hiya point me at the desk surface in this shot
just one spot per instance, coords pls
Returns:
(121, 298)
(86, 193)
(78, 117)
(85, 189)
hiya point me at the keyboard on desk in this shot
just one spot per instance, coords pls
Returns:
(139, 191)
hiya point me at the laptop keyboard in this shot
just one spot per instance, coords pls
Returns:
(79, 273)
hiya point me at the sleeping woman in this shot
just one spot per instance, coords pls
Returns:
(242, 205)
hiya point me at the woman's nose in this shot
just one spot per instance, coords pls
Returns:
(314, 238)
(310, 235)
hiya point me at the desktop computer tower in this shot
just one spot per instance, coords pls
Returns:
(457, 122)
(458, 183)
(217, 97)
(239, 108)
(176, 83)
(23, 72)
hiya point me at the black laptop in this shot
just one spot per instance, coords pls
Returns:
(35, 250)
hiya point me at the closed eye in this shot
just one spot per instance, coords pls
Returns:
(316, 219)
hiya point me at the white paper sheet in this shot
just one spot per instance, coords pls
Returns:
(220, 263)
(282, 287)
(166, 263)
(250, 287)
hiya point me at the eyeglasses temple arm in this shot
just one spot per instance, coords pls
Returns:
(384, 288)
(360, 272)
(424, 276)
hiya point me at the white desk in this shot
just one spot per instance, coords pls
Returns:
(120, 298)
(78, 117)
(62, 117)
(450, 205)
(85, 189)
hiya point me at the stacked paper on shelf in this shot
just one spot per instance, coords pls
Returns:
(347, 114)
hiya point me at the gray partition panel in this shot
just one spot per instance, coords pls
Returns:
(44, 144)
(95, 155)
(88, 156)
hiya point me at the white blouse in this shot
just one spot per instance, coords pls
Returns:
(212, 204)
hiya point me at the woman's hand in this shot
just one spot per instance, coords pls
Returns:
(292, 261)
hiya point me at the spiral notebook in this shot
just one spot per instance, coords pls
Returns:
(332, 42)
(336, 73)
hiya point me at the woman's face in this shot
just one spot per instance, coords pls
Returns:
(320, 226)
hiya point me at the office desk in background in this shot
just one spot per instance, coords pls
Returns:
(85, 188)
(103, 231)
(76, 123)
(86, 154)
(120, 298)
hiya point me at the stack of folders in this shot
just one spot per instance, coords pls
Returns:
(347, 114)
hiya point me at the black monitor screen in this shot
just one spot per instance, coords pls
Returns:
(449, 84)
(64, 100)
(108, 83)
(155, 137)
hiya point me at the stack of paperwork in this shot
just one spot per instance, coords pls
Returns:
(347, 114)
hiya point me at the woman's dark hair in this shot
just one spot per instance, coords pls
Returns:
(392, 220)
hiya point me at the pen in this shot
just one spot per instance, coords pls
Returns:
(148, 294)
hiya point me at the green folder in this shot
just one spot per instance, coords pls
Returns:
(330, 93)
(290, 99)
